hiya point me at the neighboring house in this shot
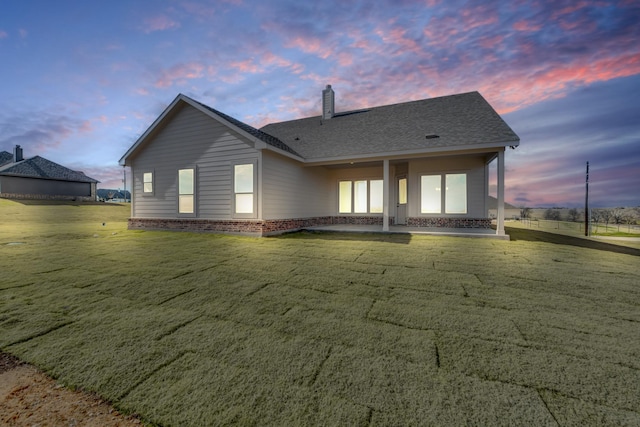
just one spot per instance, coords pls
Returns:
(39, 178)
(510, 211)
(420, 163)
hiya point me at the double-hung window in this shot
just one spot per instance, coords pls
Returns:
(244, 194)
(448, 190)
(186, 191)
(360, 196)
(147, 183)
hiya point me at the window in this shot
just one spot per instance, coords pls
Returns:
(147, 183)
(402, 191)
(243, 178)
(456, 193)
(375, 198)
(454, 198)
(186, 191)
(345, 197)
(362, 196)
(431, 197)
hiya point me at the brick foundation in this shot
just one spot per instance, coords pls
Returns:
(449, 222)
(278, 226)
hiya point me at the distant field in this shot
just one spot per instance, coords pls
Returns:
(323, 329)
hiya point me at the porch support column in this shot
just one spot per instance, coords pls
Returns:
(500, 221)
(385, 195)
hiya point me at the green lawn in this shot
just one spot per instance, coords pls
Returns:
(329, 329)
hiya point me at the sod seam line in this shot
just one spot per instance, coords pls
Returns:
(547, 406)
(314, 378)
(42, 333)
(176, 296)
(152, 373)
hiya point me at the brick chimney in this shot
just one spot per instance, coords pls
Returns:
(328, 103)
(17, 154)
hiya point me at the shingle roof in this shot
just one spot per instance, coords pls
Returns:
(5, 157)
(39, 167)
(459, 121)
(264, 137)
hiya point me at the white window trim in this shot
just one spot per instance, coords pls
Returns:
(153, 183)
(194, 214)
(353, 196)
(443, 196)
(254, 214)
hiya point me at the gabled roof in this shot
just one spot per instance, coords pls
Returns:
(248, 131)
(5, 157)
(448, 123)
(445, 124)
(264, 137)
(39, 167)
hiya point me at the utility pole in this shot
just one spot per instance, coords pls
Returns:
(586, 205)
(124, 180)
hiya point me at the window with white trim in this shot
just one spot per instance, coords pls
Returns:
(360, 196)
(186, 191)
(453, 194)
(147, 183)
(243, 190)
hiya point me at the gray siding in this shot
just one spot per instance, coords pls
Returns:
(293, 191)
(50, 187)
(190, 139)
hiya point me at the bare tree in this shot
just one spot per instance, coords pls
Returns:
(573, 215)
(552, 214)
(525, 212)
(605, 215)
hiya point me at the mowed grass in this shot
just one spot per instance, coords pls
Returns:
(321, 329)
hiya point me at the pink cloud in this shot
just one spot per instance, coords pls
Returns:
(526, 26)
(159, 23)
(179, 74)
(23, 33)
(312, 45)
(3, 34)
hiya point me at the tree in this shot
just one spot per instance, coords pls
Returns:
(525, 212)
(573, 215)
(605, 215)
(552, 214)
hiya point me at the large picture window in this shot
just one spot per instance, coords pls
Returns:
(361, 196)
(453, 194)
(243, 189)
(186, 191)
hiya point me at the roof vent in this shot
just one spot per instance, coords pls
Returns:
(432, 136)
(328, 103)
(17, 154)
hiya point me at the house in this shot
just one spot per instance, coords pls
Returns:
(420, 163)
(39, 178)
(510, 211)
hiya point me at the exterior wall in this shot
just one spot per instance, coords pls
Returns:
(37, 188)
(473, 166)
(190, 139)
(290, 190)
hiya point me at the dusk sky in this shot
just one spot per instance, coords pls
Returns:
(82, 80)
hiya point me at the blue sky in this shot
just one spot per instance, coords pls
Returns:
(81, 80)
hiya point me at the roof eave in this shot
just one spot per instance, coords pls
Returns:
(394, 155)
(258, 143)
